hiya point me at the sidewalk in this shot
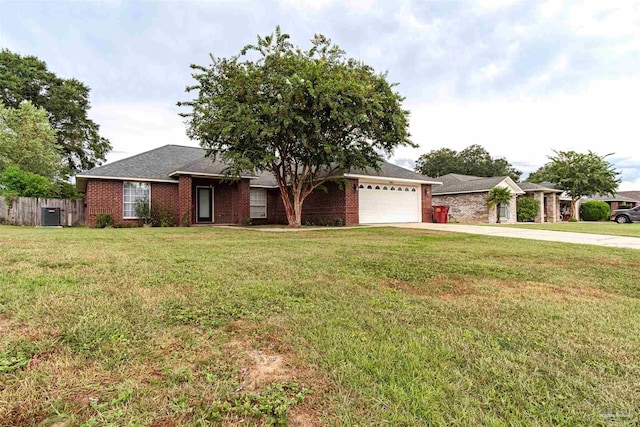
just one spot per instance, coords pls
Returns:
(531, 234)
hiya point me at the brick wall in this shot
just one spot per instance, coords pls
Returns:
(471, 207)
(185, 200)
(427, 202)
(320, 207)
(230, 199)
(104, 196)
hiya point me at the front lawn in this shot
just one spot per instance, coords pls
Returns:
(371, 326)
(610, 228)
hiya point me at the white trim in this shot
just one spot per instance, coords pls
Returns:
(123, 178)
(134, 217)
(198, 204)
(214, 175)
(263, 186)
(389, 179)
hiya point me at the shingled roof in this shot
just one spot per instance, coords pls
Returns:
(542, 186)
(167, 163)
(456, 183)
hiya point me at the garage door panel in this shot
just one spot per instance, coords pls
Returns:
(383, 203)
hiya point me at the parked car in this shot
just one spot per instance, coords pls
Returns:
(622, 216)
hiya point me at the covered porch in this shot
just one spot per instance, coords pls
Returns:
(207, 200)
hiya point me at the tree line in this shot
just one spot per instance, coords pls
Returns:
(46, 135)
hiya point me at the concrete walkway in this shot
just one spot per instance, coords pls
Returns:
(532, 234)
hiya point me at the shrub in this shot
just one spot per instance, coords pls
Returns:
(162, 216)
(25, 184)
(104, 220)
(527, 208)
(337, 222)
(572, 219)
(594, 210)
(246, 221)
(142, 210)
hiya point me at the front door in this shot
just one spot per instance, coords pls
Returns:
(204, 204)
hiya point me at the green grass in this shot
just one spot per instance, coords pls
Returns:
(371, 326)
(610, 228)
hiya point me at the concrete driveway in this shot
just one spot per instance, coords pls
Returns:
(532, 234)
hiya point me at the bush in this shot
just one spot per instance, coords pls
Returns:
(572, 219)
(142, 210)
(104, 220)
(25, 184)
(162, 216)
(527, 208)
(594, 210)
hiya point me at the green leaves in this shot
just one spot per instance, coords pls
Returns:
(66, 101)
(473, 160)
(582, 174)
(27, 141)
(286, 110)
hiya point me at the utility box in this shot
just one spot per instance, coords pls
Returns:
(50, 217)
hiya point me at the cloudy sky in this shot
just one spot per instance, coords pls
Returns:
(521, 78)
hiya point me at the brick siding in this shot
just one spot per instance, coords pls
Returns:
(427, 201)
(471, 207)
(320, 207)
(104, 196)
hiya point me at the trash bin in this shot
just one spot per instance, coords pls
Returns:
(440, 214)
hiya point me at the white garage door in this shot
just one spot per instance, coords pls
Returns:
(382, 203)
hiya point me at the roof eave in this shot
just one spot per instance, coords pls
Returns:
(389, 178)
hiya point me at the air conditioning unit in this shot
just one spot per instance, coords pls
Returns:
(50, 217)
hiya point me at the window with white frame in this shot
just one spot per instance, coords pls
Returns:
(258, 204)
(134, 191)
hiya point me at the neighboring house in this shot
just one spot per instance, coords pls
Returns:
(635, 195)
(466, 197)
(193, 187)
(616, 200)
(549, 198)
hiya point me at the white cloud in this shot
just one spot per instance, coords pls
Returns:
(489, 72)
(526, 130)
(134, 129)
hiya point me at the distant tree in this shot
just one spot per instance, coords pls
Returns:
(527, 208)
(28, 142)
(17, 182)
(497, 197)
(26, 78)
(304, 115)
(581, 175)
(473, 160)
(540, 175)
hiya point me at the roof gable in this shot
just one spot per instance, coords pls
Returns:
(457, 183)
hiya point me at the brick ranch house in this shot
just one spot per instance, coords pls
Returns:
(181, 179)
(466, 197)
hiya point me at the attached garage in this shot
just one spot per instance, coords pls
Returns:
(380, 203)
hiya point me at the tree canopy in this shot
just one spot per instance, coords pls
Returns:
(304, 115)
(473, 160)
(28, 142)
(580, 174)
(26, 78)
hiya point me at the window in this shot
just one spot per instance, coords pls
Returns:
(393, 188)
(369, 187)
(361, 186)
(134, 191)
(504, 211)
(258, 208)
(385, 188)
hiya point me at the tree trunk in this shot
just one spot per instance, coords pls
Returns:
(293, 209)
(498, 213)
(572, 210)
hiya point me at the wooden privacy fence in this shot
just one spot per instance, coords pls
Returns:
(26, 210)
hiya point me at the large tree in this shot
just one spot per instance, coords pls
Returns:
(473, 160)
(580, 175)
(26, 78)
(305, 115)
(28, 142)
